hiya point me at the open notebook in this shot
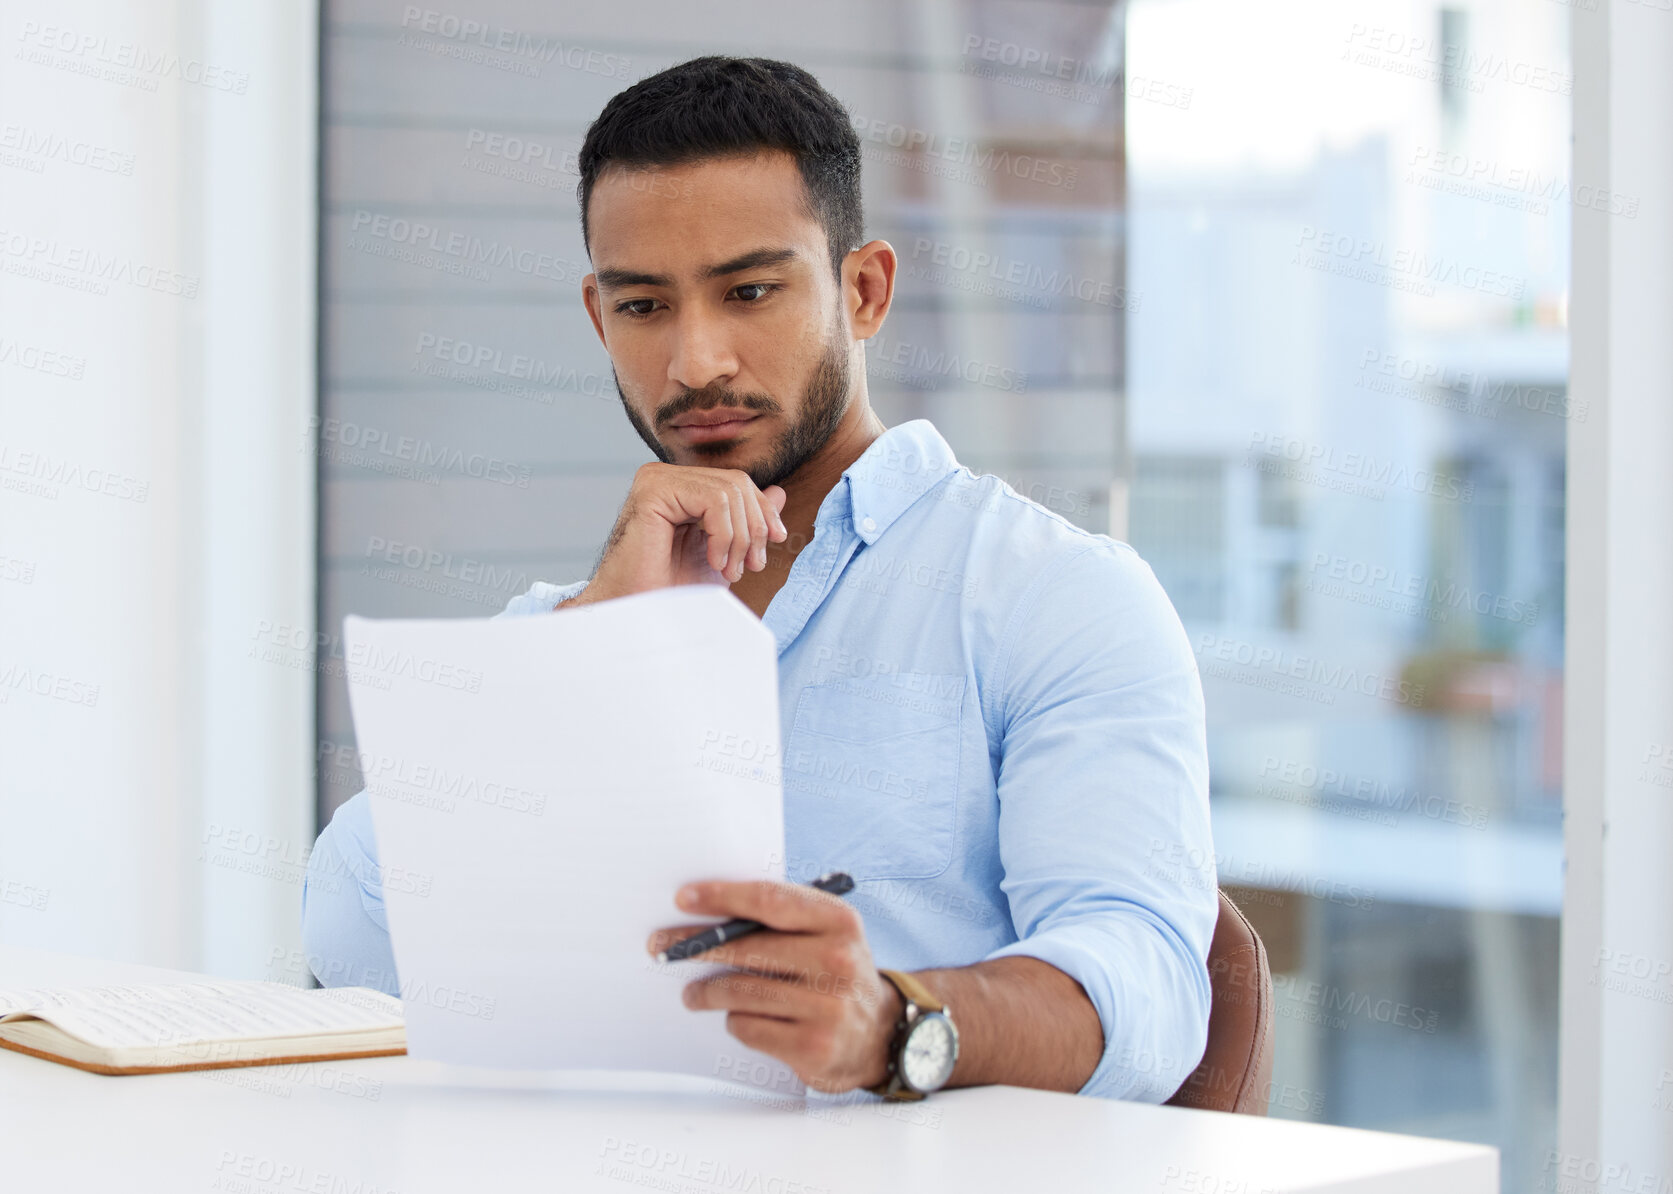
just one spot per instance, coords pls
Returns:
(151, 1029)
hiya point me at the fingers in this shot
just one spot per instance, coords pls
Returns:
(691, 554)
(773, 506)
(751, 993)
(808, 1049)
(803, 957)
(738, 520)
(805, 989)
(753, 510)
(738, 555)
(788, 907)
(717, 526)
(663, 938)
(766, 1034)
(753, 521)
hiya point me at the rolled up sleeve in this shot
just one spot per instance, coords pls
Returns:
(345, 932)
(1103, 824)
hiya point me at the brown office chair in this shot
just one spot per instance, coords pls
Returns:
(1236, 1069)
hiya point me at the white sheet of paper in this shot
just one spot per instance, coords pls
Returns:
(540, 787)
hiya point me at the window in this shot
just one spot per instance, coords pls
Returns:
(1353, 249)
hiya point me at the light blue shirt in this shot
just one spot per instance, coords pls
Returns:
(993, 721)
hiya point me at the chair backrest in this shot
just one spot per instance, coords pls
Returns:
(1236, 1069)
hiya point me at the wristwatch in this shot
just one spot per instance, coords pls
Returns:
(924, 1047)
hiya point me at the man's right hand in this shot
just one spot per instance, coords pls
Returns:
(685, 525)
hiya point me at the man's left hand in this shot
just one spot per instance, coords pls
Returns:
(804, 989)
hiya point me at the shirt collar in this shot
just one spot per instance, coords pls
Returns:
(899, 467)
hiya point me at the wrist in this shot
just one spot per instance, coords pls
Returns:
(924, 1046)
(598, 588)
(890, 1011)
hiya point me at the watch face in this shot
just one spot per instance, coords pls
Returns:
(931, 1049)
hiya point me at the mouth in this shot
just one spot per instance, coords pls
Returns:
(705, 426)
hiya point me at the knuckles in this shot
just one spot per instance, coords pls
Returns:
(768, 895)
(849, 921)
(838, 960)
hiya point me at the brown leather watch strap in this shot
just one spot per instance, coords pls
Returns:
(917, 995)
(910, 988)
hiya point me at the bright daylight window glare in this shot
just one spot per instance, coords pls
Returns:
(1348, 401)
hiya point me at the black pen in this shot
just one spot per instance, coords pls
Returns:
(836, 883)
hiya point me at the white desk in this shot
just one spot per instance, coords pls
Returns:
(396, 1124)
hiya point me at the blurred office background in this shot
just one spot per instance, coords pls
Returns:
(1278, 294)
(452, 257)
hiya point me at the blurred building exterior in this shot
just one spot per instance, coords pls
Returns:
(1348, 404)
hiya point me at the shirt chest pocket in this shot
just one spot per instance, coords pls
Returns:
(871, 776)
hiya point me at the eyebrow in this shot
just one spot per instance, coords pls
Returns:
(613, 279)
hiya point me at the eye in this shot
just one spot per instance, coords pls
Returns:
(636, 308)
(753, 292)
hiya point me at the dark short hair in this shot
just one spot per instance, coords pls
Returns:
(718, 106)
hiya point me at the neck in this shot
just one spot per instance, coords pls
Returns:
(806, 488)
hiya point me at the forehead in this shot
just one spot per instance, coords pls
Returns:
(674, 219)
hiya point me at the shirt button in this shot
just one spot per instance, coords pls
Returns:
(868, 525)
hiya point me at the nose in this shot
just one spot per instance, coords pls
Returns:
(702, 353)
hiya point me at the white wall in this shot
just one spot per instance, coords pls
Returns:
(1616, 1129)
(156, 371)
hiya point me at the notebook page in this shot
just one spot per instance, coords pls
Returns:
(27, 998)
(129, 1017)
(23, 999)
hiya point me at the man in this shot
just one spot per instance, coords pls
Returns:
(993, 718)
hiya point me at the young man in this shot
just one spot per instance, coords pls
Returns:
(992, 718)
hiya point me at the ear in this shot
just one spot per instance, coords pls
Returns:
(868, 287)
(589, 296)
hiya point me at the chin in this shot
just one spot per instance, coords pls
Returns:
(719, 447)
(738, 452)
